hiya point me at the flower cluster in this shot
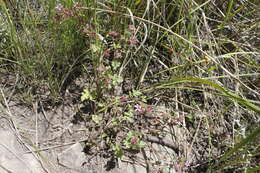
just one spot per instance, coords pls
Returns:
(63, 13)
(176, 120)
(123, 99)
(141, 110)
(134, 140)
(106, 53)
(59, 7)
(133, 41)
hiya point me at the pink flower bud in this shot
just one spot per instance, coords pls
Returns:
(123, 99)
(106, 53)
(113, 34)
(59, 7)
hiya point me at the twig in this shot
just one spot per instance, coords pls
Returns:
(57, 146)
(36, 123)
(7, 170)
(163, 142)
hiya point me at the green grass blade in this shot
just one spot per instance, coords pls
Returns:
(252, 170)
(250, 138)
(228, 94)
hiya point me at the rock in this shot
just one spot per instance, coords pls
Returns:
(72, 157)
(13, 159)
(134, 168)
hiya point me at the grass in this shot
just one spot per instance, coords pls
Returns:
(191, 56)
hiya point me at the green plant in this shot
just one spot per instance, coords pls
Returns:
(199, 59)
(133, 141)
(118, 151)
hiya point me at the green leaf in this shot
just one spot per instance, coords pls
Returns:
(212, 69)
(227, 93)
(253, 170)
(129, 119)
(116, 64)
(253, 136)
(116, 79)
(126, 143)
(137, 2)
(89, 144)
(95, 48)
(116, 46)
(141, 144)
(104, 135)
(86, 95)
(115, 121)
(118, 151)
(128, 113)
(100, 104)
(136, 93)
(96, 119)
(128, 116)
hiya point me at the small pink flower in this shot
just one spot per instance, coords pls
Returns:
(187, 164)
(87, 26)
(134, 140)
(57, 17)
(123, 99)
(139, 109)
(179, 119)
(106, 53)
(59, 7)
(133, 41)
(81, 21)
(68, 13)
(176, 120)
(113, 33)
(92, 34)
